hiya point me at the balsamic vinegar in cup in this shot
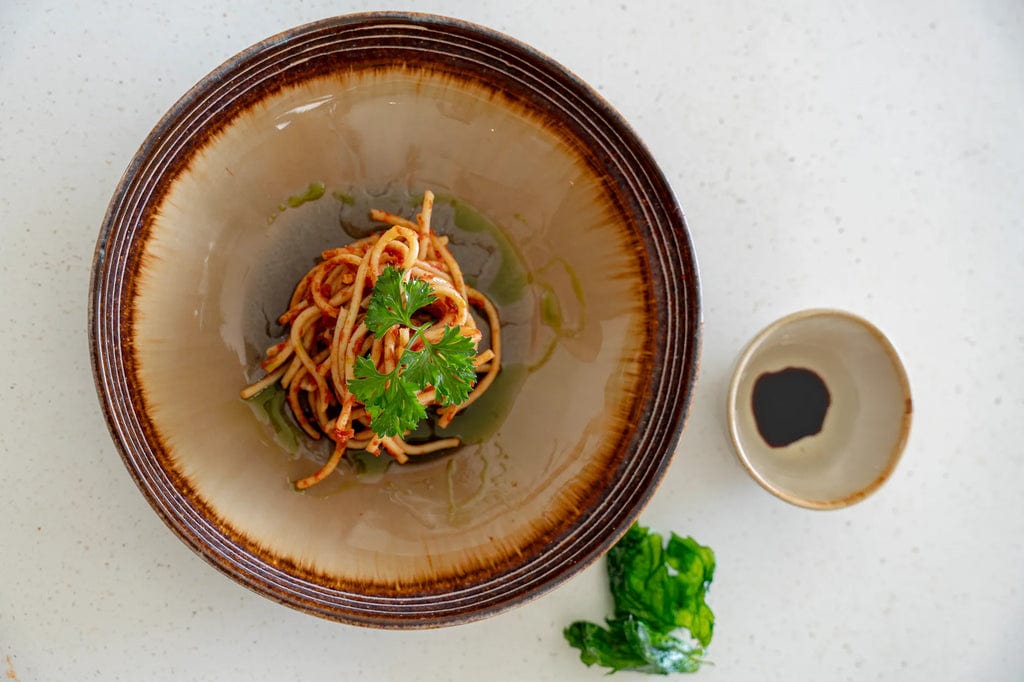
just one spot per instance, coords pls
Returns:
(789, 405)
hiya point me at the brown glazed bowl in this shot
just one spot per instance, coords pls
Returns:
(555, 209)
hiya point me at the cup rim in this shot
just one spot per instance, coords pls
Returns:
(896, 451)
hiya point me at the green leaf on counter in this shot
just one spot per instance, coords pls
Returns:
(659, 591)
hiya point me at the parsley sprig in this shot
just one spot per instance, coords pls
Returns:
(395, 302)
(447, 364)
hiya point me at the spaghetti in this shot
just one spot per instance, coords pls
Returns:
(327, 332)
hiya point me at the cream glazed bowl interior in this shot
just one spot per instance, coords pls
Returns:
(554, 209)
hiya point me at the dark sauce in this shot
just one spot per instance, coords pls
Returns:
(789, 405)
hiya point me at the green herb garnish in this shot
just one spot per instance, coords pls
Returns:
(389, 398)
(395, 302)
(446, 364)
(658, 590)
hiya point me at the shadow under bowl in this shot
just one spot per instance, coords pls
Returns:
(555, 210)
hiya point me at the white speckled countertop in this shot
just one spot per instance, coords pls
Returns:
(864, 155)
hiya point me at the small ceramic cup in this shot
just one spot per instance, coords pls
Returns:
(819, 408)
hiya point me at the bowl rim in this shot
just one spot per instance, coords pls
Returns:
(897, 448)
(203, 535)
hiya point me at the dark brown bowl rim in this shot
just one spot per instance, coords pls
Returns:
(677, 335)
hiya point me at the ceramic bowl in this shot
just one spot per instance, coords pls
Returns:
(555, 209)
(819, 408)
